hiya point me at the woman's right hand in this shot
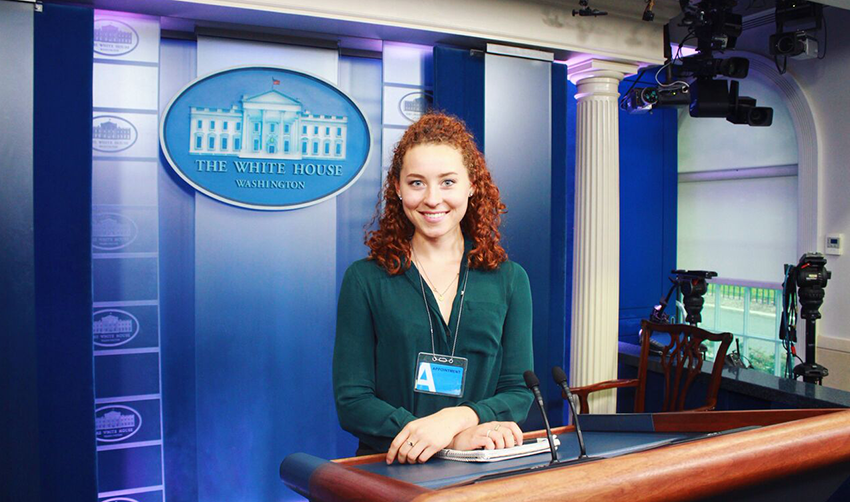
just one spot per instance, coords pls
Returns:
(489, 436)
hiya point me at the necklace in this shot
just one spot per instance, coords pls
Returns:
(440, 296)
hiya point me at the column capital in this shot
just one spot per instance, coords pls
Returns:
(590, 68)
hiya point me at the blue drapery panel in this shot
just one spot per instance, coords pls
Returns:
(62, 221)
(459, 87)
(648, 193)
(563, 222)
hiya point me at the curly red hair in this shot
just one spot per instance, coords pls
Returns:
(390, 244)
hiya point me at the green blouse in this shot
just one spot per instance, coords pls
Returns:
(382, 327)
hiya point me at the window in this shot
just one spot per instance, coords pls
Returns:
(286, 128)
(304, 130)
(212, 142)
(224, 125)
(256, 145)
(237, 144)
(304, 147)
(212, 125)
(272, 127)
(199, 142)
(224, 142)
(338, 148)
(315, 129)
(239, 126)
(256, 127)
(327, 147)
(286, 146)
(327, 131)
(200, 124)
(270, 148)
(751, 314)
(315, 147)
(339, 131)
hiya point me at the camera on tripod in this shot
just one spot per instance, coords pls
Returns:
(804, 284)
(692, 285)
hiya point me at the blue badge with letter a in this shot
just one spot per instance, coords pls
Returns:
(440, 375)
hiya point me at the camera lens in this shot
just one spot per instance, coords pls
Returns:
(649, 95)
(785, 44)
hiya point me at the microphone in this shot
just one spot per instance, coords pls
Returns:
(533, 384)
(561, 379)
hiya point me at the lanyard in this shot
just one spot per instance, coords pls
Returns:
(459, 313)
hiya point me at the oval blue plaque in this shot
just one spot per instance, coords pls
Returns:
(265, 137)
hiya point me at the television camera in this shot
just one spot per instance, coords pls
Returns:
(804, 283)
(716, 28)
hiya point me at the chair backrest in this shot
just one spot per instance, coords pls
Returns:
(681, 360)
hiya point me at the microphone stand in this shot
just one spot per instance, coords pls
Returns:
(533, 383)
(561, 379)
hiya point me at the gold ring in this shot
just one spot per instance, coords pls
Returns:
(410, 443)
(497, 427)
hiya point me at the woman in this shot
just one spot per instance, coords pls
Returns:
(437, 297)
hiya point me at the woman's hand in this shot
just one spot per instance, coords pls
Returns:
(490, 435)
(422, 438)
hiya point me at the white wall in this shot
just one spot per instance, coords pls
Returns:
(707, 144)
(824, 82)
(739, 228)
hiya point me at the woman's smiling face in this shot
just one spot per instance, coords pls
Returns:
(435, 188)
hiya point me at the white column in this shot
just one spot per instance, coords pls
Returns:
(596, 250)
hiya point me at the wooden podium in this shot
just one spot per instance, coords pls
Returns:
(718, 455)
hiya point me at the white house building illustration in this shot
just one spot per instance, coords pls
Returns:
(111, 131)
(112, 34)
(111, 228)
(269, 125)
(112, 325)
(114, 420)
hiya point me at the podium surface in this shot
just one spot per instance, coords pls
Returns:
(731, 455)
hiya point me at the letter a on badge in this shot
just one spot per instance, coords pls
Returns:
(425, 379)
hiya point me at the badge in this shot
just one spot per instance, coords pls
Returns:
(440, 375)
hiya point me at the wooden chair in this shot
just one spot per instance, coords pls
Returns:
(681, 360)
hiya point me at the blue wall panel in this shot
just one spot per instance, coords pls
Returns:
(563, 223)
(265, 304)
(459, 87)
(126, 375)
(518, 104)
(361, 78)
(126, 279)
(62, 216)
(18, 344)
(648, 190)
(129, 468)
(177, 295)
